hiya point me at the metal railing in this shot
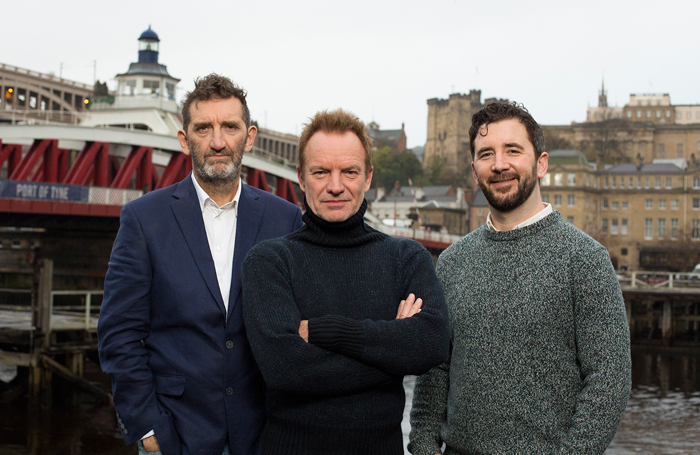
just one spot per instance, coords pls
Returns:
(44, 76)
(84, 310)
(658, 280)
(42, 117)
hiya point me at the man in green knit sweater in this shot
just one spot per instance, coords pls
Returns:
(336, 312)
(539, 360)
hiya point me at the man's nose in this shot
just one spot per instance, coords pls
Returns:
(217, 140)
(335, 184)
(500, 162)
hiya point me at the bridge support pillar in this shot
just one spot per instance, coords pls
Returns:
(630, 320)
(667, 322)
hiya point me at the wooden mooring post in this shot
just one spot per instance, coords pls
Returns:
(39, 378)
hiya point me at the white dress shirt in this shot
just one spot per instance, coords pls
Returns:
(532, 220)
(220, 224)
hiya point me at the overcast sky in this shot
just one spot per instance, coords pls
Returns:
(381, 60)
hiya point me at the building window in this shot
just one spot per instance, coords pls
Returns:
(625, 205)
(479, 212)
(571, 179)
(668, 114)
(558, 179)
(623, 227)
(662, 204)
(629, 114)
(604, 226)
(657, 182)
(614, 182)
(696, 182)
(696, 230)
(648, 228)
(605, 203)
(623, 251)
(679, 150)
(615, 205)
(668, 183)
(675, 204)
(679, 115)
(545, 180)
(658, 114)
(646, 183)
(674, 228)
(557, 200)
(570, 200)
(649, 204)
(688, 115)
(622, 183)
(607, 182)
(639, 114)
(545, 198)
(631, 182)
(570, 219)
(614, 226)
(662, 150)
(662, 228)
(696, 203)
(639, 183)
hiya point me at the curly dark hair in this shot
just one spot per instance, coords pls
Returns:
(213, 87)
(503, 110)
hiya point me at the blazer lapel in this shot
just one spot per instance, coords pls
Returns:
(189, 217)
(250, 213)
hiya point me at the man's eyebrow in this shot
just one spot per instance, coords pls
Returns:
(514, 145)
(484, 149)
(198, 125)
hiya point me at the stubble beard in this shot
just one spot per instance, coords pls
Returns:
(219, 175)
(507, 203)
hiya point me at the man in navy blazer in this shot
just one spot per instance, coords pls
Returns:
(171, 334)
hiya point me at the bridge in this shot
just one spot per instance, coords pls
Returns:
(117, 165)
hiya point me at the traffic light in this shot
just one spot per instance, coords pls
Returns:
(87, 102)
(9, 94)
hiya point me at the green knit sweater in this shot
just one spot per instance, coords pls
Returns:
(540, 359)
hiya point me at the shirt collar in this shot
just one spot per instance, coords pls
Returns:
(203, 197)
(532, 220)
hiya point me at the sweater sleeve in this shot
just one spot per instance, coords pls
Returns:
(603, 343)
(399, 346)
(429, 410)
(286, 361)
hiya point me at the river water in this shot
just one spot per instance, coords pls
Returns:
(662, 417)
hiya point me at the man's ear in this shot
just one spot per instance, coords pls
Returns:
(300, 177)
(182, 137)
(250, 140)
(542, 164)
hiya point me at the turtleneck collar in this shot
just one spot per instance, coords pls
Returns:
(351, 232)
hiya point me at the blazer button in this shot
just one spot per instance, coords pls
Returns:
(126, 431)
(229, 391)
(229, 344)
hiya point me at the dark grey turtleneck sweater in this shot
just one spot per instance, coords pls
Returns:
(340, 393)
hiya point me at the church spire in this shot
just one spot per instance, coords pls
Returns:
(603, 96)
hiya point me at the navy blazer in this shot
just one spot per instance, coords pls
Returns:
(179, 364)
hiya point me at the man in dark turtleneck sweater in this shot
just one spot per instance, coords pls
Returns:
(337, 313)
